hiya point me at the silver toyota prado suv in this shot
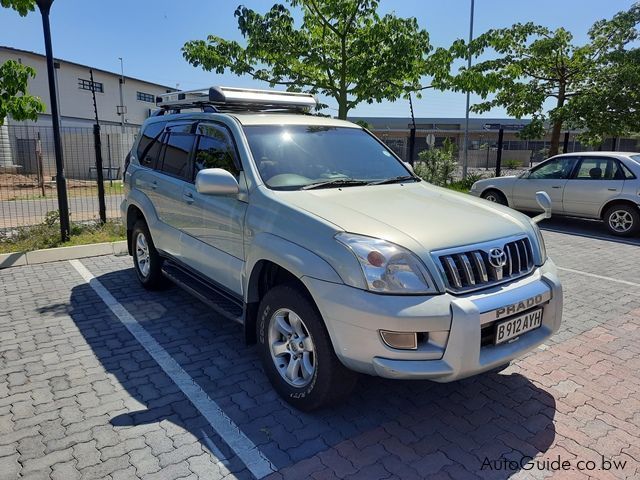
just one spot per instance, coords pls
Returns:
(326, 247)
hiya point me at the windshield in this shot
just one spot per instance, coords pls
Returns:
(290, 157)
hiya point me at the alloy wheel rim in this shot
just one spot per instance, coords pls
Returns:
(292, 348)
(492, 198)
(142, 254)
(621, 221)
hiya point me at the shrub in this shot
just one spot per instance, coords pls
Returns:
(512, 164)
(437, 165)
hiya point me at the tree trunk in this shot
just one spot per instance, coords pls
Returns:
(557, 124)
(555, 138)
(343, 107)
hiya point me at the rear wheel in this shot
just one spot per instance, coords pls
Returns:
(622, 220)
(494, 196)
(297, 353)
(146, 259)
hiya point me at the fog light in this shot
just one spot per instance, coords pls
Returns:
(401, 340)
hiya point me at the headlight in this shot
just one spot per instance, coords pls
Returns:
(387, 267)
(542, 248)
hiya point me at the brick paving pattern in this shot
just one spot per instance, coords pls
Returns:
(80, 397)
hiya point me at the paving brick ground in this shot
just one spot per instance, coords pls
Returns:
(80, 397)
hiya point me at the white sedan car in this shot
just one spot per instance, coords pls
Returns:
(597, 185)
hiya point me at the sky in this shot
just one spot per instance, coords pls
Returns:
(149, 35)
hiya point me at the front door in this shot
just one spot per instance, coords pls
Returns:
(594, 182)
(219, 253)
(551, 177)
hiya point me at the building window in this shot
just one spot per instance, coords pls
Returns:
(89, 85)
(145, 97)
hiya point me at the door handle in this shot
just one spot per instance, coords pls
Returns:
(612, 189)
(556, 186)
(188, 197)
(154, 185)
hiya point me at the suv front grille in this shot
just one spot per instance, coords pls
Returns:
(476, 268)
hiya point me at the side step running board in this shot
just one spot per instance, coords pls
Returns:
(221, 302)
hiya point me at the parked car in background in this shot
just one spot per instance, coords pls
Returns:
(596, 185)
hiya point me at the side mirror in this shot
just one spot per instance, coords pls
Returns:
(544, 200)
(216, 181)
(409, 166)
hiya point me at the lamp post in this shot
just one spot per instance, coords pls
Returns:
(465, 164)
(122, 108)
(61, 183)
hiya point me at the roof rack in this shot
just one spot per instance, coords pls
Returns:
(226, 99)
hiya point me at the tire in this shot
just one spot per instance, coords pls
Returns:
(622, 220)
(498, 369)
(147, 262)
(494, 196)
(320, 379)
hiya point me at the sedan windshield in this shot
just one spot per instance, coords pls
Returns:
(290, 157)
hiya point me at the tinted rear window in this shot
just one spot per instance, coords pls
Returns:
(150, 135)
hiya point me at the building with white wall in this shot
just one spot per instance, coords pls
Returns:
(74, 92)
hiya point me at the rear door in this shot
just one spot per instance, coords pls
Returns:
(175, 210)
(551, 177)
(596, 180)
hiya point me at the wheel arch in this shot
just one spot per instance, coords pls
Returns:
(617, 201)
(495, 189)
(133, 215)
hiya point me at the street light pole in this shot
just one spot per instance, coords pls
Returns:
(465, 163)
(61, 183)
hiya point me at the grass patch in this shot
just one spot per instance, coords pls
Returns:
(47, 235)
(35, 193)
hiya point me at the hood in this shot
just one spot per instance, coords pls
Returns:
(433, 217)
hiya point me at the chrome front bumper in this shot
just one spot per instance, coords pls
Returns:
(354, 318)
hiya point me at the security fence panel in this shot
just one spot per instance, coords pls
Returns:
(28, 174)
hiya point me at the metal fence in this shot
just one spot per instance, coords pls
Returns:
(27, 164)
(27, 172)
(483, 146)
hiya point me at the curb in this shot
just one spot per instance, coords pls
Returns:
(48, 255)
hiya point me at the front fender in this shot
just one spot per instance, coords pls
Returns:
(288, 255)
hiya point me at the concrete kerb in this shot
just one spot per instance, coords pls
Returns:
(47, 255)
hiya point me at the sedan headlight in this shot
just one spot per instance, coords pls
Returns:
(387, 267)
(542, 248)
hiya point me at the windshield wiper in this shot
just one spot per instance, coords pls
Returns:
(401, 178)
(337, 182)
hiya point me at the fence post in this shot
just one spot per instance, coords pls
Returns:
(499, 156)
(99, 176)
(40, 166)
(565, 147)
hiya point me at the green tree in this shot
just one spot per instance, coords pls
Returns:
(586, 84)
(14, 77)
(342, 49)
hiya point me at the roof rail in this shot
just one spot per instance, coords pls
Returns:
(236, 99)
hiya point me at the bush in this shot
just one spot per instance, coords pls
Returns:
(512, 164)
(437, 165)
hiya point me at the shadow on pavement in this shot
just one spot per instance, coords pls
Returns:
(492, 416)
(585, 228)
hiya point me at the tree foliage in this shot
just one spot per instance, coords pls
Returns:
(14, 77)
(587, 84)
(14, 99)
(342, 49)
(23, 7)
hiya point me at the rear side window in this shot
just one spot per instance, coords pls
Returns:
(147, 154)
(215, 149)
(177, 150)
(600, 168)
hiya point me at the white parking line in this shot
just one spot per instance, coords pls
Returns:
(587, 274)
(241, 445)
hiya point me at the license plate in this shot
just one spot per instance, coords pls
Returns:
(515, 327)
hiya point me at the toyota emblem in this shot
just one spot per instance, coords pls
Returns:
(497, 257)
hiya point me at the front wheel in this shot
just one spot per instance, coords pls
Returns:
(494, 196)
(622, 220)
(297, 353)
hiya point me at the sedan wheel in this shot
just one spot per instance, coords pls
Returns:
(622, 220)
